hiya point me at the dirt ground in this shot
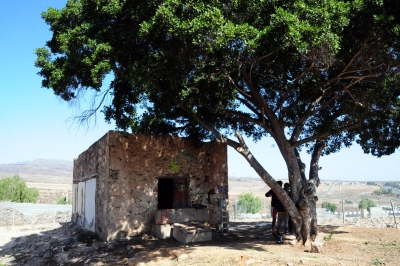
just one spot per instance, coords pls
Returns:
(358, 242)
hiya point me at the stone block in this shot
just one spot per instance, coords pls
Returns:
(191, 232)
(161, 231)
(181, 215)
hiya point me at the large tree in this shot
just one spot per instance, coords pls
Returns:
(311, 74)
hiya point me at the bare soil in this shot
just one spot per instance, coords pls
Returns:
(247, 243)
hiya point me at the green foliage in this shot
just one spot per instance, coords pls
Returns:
(348, 202)
(366, 204)
(248, 203)
(330, 206)
(392, 184)
(14, 189)
(314, 75)
(174, 166)
(317, 68)
(371, 184)
(328, 238)
(383, 191)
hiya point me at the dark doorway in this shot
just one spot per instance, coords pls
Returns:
(172, 193)
(165, 193)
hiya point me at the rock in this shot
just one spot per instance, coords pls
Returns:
(183, 256)
(290, 242)
(47, 254)
(316, 247)
(135, 262)
(250, 261)
(88, 250)
(120, 250)
(302, 261)
(111, 246)
(289, 264)
(99, 263)
(288, 237)
(95, 245)
(146, 237)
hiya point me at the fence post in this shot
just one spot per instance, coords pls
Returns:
(394, 216)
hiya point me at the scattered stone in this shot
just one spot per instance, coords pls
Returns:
(146, 237)
(88, 250)
(99, 263)
(120, 250)
(111, 246)
(47, 254)
(250, 261)
(302, 261)
(183, 256)
(316, 247)
(288, 237)
(95, 245)
(135, 262)
(289, 264)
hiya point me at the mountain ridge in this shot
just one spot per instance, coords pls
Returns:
(38, 167)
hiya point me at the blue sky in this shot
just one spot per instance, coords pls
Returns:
(34, 122)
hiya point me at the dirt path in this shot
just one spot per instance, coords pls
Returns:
(248, 243)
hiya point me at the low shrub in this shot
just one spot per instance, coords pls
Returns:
(330, 206)
(15, 190)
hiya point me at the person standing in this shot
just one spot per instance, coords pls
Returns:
(286, 187)
(282, 218)
(274, 200)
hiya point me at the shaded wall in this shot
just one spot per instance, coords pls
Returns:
(90, 174)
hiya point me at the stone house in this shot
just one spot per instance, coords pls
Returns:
(124, 184)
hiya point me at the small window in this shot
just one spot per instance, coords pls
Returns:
(172, 193)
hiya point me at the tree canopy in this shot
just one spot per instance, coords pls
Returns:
(312, 74)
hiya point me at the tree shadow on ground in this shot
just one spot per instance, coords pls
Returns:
(330, 229)
(65, 245)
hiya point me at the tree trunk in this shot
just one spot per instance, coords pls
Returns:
(301, 206)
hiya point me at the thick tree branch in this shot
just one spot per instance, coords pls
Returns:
(241, 91)
(313, 111)
(314, 166)
(268, 112)
(325, 134)
(245, 117)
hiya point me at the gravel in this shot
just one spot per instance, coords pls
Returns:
(9, 216)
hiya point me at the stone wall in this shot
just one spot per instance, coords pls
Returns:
(138, 161)
(128, 168)
(92, 164)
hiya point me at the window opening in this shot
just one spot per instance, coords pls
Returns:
(172, 193)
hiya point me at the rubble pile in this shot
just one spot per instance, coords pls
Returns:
(10, 216)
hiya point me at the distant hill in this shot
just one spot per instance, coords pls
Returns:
(40, 168)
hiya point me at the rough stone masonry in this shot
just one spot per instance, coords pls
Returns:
(123, 180)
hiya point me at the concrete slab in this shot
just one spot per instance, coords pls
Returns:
(191, 232)
(162, 231)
